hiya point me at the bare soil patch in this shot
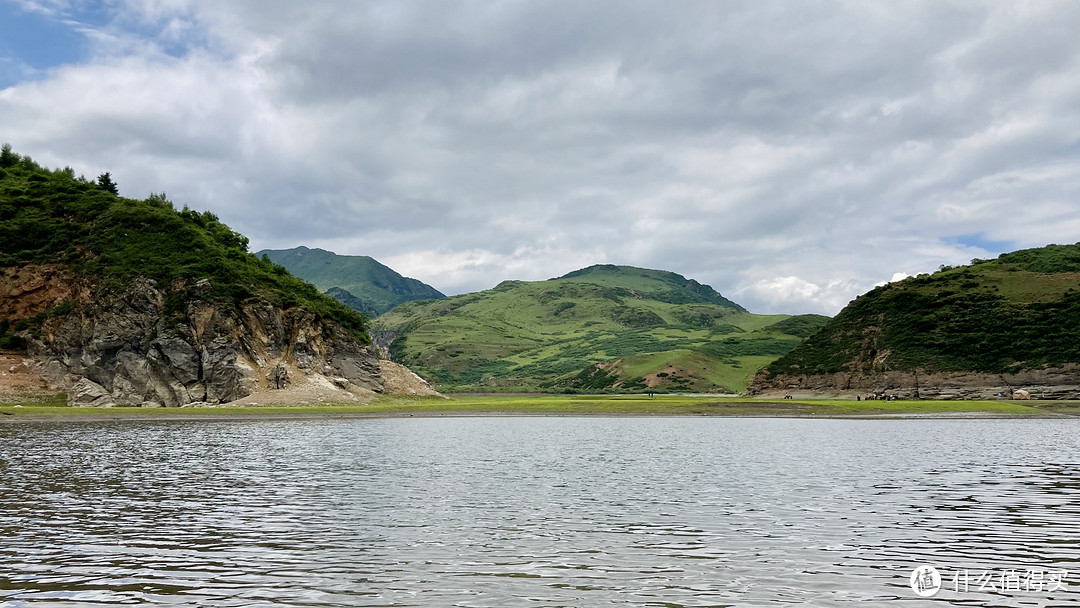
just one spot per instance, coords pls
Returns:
(18, 382)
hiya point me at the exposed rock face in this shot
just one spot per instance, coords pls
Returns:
(28, 290)
(1050, 383)
(382, 340)
(87, 393)
(278, 378)
(137, 349)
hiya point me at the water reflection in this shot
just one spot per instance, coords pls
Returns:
(544, 511)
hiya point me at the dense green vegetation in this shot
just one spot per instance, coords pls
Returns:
(8, 338)
(1043, 260)
(803, 326)
(1019, 311)
(52, 216)
(651, 330)
(372, 286)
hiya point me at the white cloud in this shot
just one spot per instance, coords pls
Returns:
(464, 144)
(786, 291)
(897, 276)
(788, 288)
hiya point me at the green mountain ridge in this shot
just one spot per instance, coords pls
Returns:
(1020, 311)
(603, 327)
(359, 281)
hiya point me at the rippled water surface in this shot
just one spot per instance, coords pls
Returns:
(536, 511)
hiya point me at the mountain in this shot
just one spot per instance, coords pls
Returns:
(600, 328)
(358, 281)
(967, 332)
(130, 302)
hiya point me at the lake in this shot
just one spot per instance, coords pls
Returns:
(531, 511)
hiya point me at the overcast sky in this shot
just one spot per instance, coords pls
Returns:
(790, 154)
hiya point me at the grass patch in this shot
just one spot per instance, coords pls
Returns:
(576, 405)
(35, 400)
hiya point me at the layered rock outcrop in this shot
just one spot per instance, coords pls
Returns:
(154, 346)
(1049, 383)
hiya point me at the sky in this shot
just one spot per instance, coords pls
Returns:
(792, 155)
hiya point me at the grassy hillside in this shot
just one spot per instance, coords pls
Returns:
(643, 326)
(1019, 311)
(371, 285)
(54, 217)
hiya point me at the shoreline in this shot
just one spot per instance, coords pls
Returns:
(564, 406)
(169, 417)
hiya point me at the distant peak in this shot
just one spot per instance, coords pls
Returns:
(662, 285)
(366, 280)
(596, 268)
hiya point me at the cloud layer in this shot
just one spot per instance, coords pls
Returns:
(792, 155)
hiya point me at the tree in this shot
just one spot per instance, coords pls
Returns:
(159, 198)
(7, 157)
(105, 182)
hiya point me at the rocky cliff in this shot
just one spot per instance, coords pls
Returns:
(151, 345)
(121, 301)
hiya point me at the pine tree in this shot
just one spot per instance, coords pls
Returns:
(7, 157)
(106, 183)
